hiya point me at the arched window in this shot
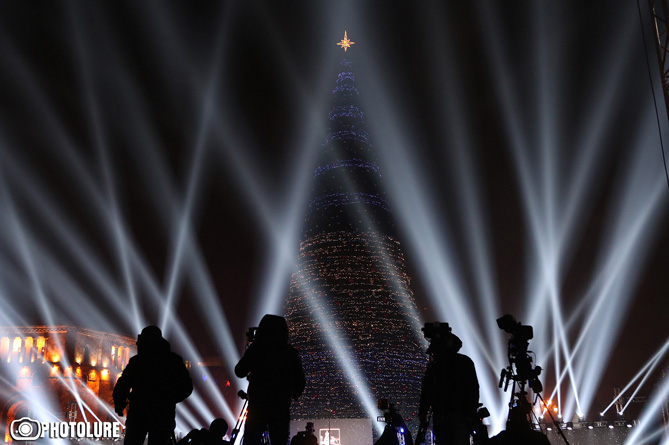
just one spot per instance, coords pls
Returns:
(29, 356)
(4, 348)
(40, 346)
(16, 349)
(113, 356)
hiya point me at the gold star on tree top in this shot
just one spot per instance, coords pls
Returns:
(346, 42)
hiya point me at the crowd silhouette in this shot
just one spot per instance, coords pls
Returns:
(156, 380)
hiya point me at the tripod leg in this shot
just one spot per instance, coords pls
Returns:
(238, 425)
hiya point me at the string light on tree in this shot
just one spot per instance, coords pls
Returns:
(350, 299)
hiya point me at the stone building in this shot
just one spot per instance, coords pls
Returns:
(66, 371)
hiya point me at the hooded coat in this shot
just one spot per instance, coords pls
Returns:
(153, 382)
(273, 366)
(275, 375)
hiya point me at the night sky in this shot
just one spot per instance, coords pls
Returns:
(166, 106)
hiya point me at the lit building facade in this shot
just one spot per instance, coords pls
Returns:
(350, 304)
(47, 365)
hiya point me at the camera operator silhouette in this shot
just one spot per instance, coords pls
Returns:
(212, 436)
(306, 437)
(450, 388)
(519, 431)
(396, 431)
(275, 375)
(154, 381)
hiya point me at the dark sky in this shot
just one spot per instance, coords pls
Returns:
(170, 96)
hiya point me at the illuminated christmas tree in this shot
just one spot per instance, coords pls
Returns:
(350, 303)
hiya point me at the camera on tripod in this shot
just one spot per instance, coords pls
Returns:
(522, 372)
(518, 355)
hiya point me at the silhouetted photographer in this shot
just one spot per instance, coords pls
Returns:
(276, 377)
(450, 389)
(306, 437)
(212, 436)
(154, 381)
(519, 431)
(396, 431)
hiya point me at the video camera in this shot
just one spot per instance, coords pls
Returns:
(384, 406)
(479, 430)
(251, 335)
(436, 330)
(520, 334)
(518, 354)
(437, 334)
(396, 431)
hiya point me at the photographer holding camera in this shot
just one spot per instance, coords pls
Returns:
(275, 375)
(450, 388)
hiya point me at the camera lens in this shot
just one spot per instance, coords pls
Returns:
(25, 429)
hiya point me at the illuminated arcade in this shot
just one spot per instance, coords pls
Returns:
(77, 367)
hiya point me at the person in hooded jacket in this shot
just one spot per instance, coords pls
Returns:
(451, 389)
(276, 377)
(153, 382)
